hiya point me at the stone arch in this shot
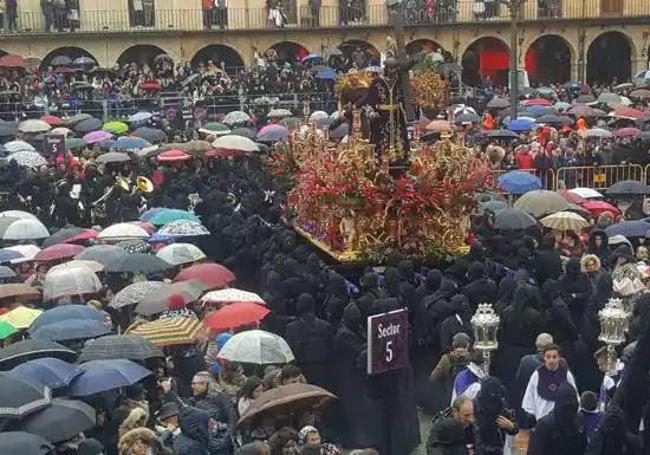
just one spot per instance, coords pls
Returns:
(219, 53)
(423, 44)
(373, 56)
(548, 60)
(609, 57)
(140, 54)
(72, 52)
(290, 51)
(487, 56)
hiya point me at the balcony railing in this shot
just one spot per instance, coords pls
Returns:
(415, 12)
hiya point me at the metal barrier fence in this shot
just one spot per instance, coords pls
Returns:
(415, 12)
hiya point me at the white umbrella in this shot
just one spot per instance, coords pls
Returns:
(34, 126)
(61, 131)
(27, 159)
(236, 118)
(19, 146)
(231, 295)
(92, 265)
(240, 143)
(257, 347)
(181, 253)
(586, 193)
(70, 281)
(279, 113)
(25, 229)
(28, 252)
(598, 133)
(18, 214)
(123, 231)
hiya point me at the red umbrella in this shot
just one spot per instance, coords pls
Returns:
(236, 315)
(572, 197)
(174, 155)
(627, 112)
(150, 85)
(627, 132)
(599, 207)
(537, 102)
(87, 234)
(12, 61)
(52, 120)
(58, 251)
(214, 275)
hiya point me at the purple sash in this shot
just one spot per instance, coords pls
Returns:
(463, 380)
(550, 381)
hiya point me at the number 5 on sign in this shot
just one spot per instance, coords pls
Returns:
(388, 335)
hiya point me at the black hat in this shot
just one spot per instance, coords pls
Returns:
(90, 446)
(168, 410)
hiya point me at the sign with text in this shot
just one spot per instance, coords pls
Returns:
(54, 146)
(388, 335)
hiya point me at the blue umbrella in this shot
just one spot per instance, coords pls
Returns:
(51, 372)
(102, 375)
(72, 329)
(637, 228)
(326, 74)
(9, 255)
(310, 58)
(520, 125)
(130, 143)
(519, 182)
(146, 216)
(66, 312)
(538, 110)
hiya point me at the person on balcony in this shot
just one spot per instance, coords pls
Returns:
(315, 5)
(11, 14)
(221, 7)
(208, 11)
(72, 7)
(147, 13)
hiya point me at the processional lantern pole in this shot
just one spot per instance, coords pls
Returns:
(485, 323)
(613, 325)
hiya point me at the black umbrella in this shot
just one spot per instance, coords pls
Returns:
(21, 442)
(502, 134)
(23, 351)
(158, 300)
(61, 60)
(467, 118)
(119, 347)
(88, 125)
(498, 103)
(62, 235)
(20, 397)
(75, 119)
(628, 188)
(8, 129)
(244, 132)
(104, 254)
(62, 420)
(152, 135)
(511, 219)
(137, 263)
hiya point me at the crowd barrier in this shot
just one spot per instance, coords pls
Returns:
(594, 177)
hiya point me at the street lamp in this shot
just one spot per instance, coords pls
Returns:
(485, 323)
(515, 8)
(613, 324)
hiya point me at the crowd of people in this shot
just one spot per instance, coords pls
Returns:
(551, 376)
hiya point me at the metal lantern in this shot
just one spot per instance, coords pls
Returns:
(485, 323)
(613, 325)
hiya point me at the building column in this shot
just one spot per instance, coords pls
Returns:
(581, 64)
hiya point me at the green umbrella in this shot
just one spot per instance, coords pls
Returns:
(116, 127)
(290, 122)
(215, 128)
(75, 143)
(167, 216)
(6, 330)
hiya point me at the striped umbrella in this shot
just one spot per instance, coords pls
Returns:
(119, 347)
(231, 295)
(565, 221)
(134, 293)
(168, 332)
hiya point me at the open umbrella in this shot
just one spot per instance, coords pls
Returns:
(119, 347)
(502, 134)
(513, 219)
(23, 351)
(626, 113)
(565, 221)
(34, 126)
(628, 188)
(69, 235)
(627, 132)
(214, 129)
(21, 317)
(71, 329)
(213, 275)
(279, 113)
(134, 293)
(51, 372)
(597, 208)
(541, 202)
(21, 397)
(70, 281)
(103, 254)
(173, 156)
(6, 330)
(236, 118)
(7, 274)
(52, 120)
(492, 206)
(115, 127)
(236, 315)
(257, 347)
(165, 216)
(586, 193)
(27, 159)
(66, 312)
(519, 182)
(18, 290)
(181, 253)
(273, 133)
(536, 102)
(134, 246)
(235, 144)
(140, 117)
(12, 61)
(137, 263)
(286, 399)
(97, 136)
(181, 228)
(61, 60)
(498, 103)
(554, 120)
(598, 133)
(104, 375)
(520, 125)
(58, 251)
(77, 417)
(24, 443)
(19, 146)
(159, 300)
(113, 157)
(636, 228)
(168, 331)
(230, 295)
(153, 135)
(245, 132)
(88, 125)
(123, 231)
(9, 255)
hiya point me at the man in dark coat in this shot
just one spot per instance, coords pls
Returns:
(451, 434)
(480, 288)
(194, 438)
(310, 339)
(559, 433)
